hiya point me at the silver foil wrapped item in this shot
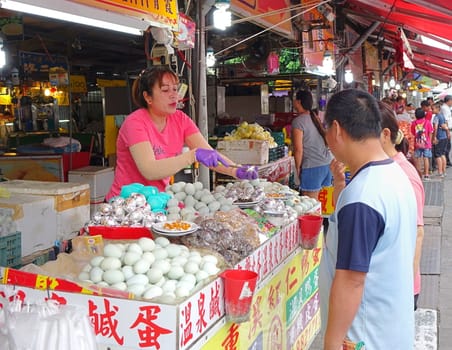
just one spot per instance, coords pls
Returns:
(140, 199)
(105, 208)
(136, 216)
(117, 202)
(119, 213)
(160, 217)
(97, 217)
(130, 204)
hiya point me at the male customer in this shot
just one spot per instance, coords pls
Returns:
(439, 139)
(366, 272)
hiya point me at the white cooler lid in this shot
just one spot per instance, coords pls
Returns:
(48, 188)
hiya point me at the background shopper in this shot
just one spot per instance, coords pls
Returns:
(311, 154)
(391, 137)
(422, 130)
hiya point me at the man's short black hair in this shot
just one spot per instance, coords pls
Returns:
(356, 111)
(447, 98)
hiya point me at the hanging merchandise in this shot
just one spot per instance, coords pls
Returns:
(273, 63)
(185, 37)
(47, 325)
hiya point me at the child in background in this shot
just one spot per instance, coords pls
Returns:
(422, 130)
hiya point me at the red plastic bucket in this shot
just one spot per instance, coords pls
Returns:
(310, 226)
(239, 286)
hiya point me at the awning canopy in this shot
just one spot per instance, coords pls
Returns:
(432, 19)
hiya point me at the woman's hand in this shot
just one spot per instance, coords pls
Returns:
(247, 172)
(210, 158)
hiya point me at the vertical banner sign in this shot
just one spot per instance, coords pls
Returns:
(163, 12)
(285, 313)
(316, 41)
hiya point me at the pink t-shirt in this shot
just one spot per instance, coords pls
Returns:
(418, 188)
(138, 127)
(428, 127)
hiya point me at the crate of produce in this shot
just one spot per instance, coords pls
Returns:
(245, 151)
(10, 250)
(276, 153)
(278, 136)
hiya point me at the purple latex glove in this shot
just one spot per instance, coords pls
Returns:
(247, 172)
(209, 157)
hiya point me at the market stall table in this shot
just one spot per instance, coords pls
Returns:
(284, 311)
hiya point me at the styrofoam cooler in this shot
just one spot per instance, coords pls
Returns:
(35, 218)
(70, 203)
(99, 180)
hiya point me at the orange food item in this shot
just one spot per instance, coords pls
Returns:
(275, 195)
(177, 226)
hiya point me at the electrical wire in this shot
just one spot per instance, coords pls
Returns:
(273, 26)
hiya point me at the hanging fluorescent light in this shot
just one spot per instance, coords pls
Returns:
(348, 75)
(327, 62)
(221, 16)
(392, 82)
(385, 85)
(2, 54)
(72, 12)
(210, 57)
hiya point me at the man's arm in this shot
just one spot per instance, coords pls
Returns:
(345, 298)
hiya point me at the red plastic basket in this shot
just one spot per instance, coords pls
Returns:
(122, 232)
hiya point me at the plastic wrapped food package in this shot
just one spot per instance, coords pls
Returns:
(231, 234)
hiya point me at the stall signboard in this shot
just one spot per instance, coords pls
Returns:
(78, 84)
(164, 12)
(326, 199)
(278, 17)
(284, 314)
(33, 62)
(204, 309)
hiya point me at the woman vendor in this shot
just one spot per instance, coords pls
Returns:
(150, 141)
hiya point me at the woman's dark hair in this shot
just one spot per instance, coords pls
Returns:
(306, 101)
(146, 81)
(389, 121)
(357, 113)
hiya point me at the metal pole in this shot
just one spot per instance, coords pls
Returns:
(204, 173)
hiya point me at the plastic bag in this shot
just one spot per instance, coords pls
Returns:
(48, 326)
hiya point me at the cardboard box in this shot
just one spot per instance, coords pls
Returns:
(245, 151)
(70, 203)
(99, 179)
(35, 218)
